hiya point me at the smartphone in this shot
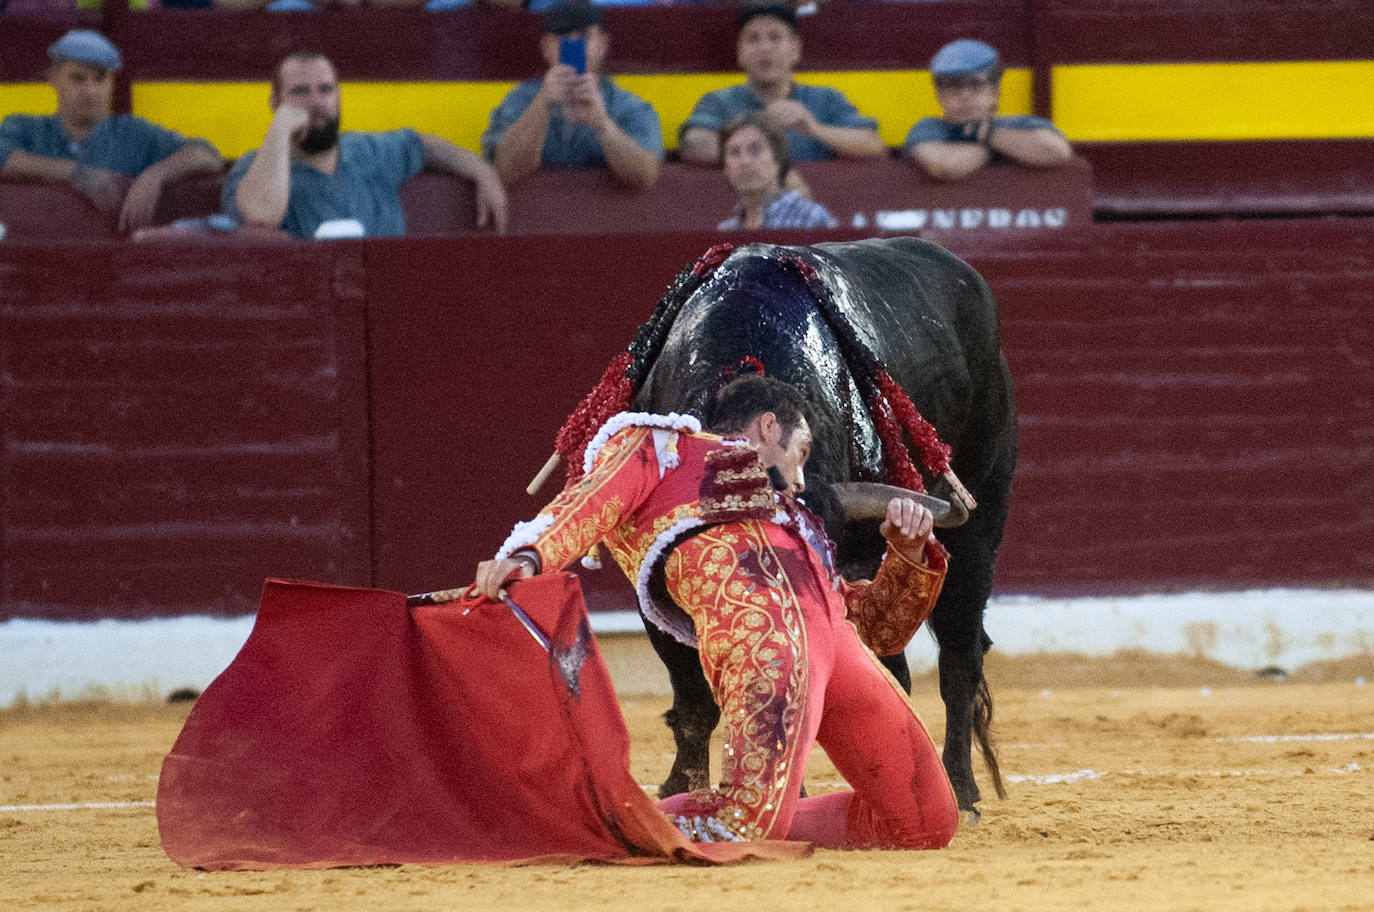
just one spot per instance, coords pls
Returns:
(573, 52)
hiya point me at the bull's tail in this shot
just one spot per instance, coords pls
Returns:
(982, 733)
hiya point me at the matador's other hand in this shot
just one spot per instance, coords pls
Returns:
(907, 528)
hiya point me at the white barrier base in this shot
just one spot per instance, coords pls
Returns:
(1252, 629)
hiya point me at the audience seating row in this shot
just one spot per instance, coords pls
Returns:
(884, 195)
(1106, 182)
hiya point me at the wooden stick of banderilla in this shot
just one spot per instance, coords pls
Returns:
(554, 461)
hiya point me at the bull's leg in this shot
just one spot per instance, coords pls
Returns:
(958, 626)
(900, 669)
(961, 673)
(693, 716)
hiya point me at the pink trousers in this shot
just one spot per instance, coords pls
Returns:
(788, 671)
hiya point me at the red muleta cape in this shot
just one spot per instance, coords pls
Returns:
(352, 730)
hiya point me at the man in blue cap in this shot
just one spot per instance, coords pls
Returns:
(120, 162)
(574, 116)
(968, 77)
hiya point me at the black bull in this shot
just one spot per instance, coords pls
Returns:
(930, 319)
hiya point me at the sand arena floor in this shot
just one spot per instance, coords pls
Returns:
(1135, 783)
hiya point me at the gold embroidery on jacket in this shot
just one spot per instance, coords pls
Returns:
(749, 622)
(736, 487)
(573, 534)
(888, 611)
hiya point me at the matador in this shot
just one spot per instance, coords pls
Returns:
(730, 561)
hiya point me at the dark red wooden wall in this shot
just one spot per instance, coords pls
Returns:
(845, 34)
(178, 421)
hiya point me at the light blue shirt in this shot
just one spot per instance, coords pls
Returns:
(571, 144)
(365, 185)
(123, 143)
(829, 106)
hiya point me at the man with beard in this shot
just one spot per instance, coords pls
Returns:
(820, 123)
(119, 162)
(307, 173)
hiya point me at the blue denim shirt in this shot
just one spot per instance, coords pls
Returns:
(829, 106)
(576, 144)
(123, 143)
(365, 186)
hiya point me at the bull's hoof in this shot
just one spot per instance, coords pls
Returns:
(969, 817)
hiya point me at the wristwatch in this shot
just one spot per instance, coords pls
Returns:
(529, 559)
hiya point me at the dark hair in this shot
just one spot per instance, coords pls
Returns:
(573, 16)
(744, 398)
(297, 57)
(776, 141)
(749, 11)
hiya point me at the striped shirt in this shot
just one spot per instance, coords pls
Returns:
(790, 210)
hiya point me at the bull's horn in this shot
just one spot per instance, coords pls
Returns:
(868, 500)
(544, 474)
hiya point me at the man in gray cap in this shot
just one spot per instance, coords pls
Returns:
(968, 85)
(574, 116)
(120, 162)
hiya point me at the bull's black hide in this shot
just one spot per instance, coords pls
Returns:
(930, 319)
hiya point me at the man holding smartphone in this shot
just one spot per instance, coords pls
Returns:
(574, 116)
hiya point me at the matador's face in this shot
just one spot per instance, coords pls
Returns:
(788, 452)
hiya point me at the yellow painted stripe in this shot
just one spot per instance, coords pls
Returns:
(1116, 103)
(234, 115)
(27, 98)
(457, 111)
(1091, 103)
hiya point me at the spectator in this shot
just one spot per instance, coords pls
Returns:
(754, 158)
(574, 119)
(121, 163)
(541, 5)
(289, 6)
(820, 123)
(970, 134)
(307, 173)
